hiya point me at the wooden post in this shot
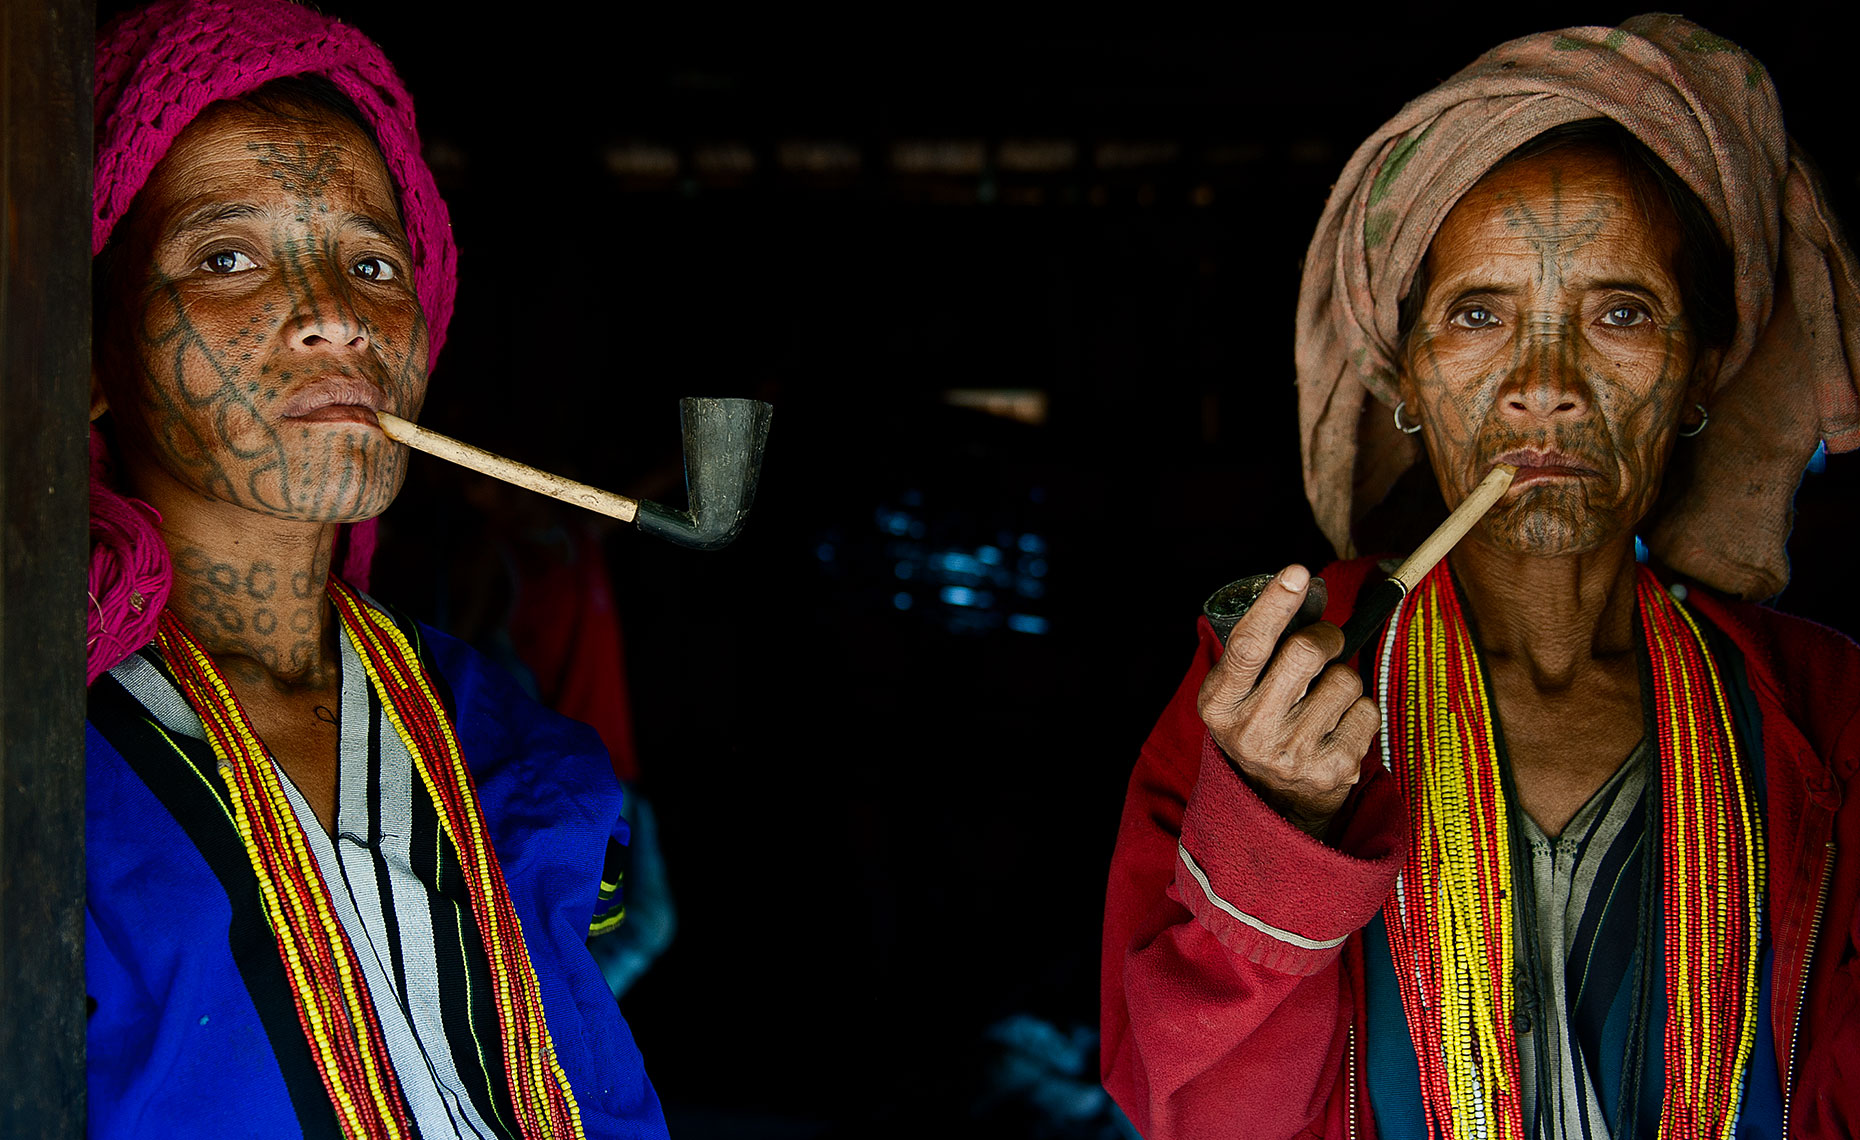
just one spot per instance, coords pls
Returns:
(45, 160)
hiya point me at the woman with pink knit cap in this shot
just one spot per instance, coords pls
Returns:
(341, 871)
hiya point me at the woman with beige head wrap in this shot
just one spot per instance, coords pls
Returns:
(1709, 113)
(1565, 852)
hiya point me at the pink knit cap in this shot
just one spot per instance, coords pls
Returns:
(157, 68)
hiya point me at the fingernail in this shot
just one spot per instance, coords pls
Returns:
(1294, 578)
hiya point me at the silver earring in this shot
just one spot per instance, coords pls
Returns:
(1401, 427)
(1704, 418)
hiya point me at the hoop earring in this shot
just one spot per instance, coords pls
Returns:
(1704, 418)
(1401, 427)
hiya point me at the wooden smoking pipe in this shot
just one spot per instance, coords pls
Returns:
(723, 459)
(1379, 599)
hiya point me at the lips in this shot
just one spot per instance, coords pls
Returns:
(336, 399)
(1542, 466)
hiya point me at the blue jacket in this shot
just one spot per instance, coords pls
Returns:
(192, 1032)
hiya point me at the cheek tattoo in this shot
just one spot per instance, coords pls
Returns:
(210, 410)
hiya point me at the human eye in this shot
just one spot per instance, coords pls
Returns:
(1473, 317)
(374, 269)
(222, 262)
(1624, 316)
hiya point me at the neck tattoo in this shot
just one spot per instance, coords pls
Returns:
(323, 714)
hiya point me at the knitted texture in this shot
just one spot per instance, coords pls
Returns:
(129, 569)
(158, 67)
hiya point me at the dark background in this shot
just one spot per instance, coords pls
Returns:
(888, 828)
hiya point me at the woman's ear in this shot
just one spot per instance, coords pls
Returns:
(1405, 387)
(99, 403)
(1704, 377)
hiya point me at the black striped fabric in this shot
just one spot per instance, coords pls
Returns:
(610, 907)
(1585, 1020)
(440, 980)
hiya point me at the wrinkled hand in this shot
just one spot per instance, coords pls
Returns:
(1295, 729)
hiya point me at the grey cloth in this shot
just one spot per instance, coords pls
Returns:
(1564, 885)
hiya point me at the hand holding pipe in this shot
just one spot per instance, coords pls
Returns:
(723, 459)
(1376, 602)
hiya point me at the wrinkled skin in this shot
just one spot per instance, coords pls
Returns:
(1553, 333)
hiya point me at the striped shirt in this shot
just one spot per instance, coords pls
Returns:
(1578, 957)
(395, 883)
(1580, 949)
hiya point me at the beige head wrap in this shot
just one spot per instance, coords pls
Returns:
(1709, 111)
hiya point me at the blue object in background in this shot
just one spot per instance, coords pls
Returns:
(940, 573)
(625, 952)
(1045, 1079)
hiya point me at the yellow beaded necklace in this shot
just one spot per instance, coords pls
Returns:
(1450, 917)
(332, 1000)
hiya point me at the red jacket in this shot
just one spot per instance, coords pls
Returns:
(1233, 978)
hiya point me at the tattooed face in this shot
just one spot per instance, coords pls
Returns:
(1551, 336)
(263, 311)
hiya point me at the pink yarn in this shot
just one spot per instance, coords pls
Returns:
(355, 551)
(129, 569)
(157, 68)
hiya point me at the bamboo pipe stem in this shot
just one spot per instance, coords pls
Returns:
(1376, 602)
(1470, 511)
(1379, 597)
(509, 470)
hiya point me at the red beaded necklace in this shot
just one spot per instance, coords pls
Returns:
(1450, 917)
(332, 1000)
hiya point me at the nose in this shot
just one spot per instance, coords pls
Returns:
(1547, 383)
(323, 318)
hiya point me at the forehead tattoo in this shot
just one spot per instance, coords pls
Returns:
(299, 173)
(308, 176)
(1556, 238)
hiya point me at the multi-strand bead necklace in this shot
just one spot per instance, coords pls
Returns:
(332, 1000)
(1450, 920)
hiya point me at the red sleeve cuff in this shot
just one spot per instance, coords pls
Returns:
(1271, 893)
